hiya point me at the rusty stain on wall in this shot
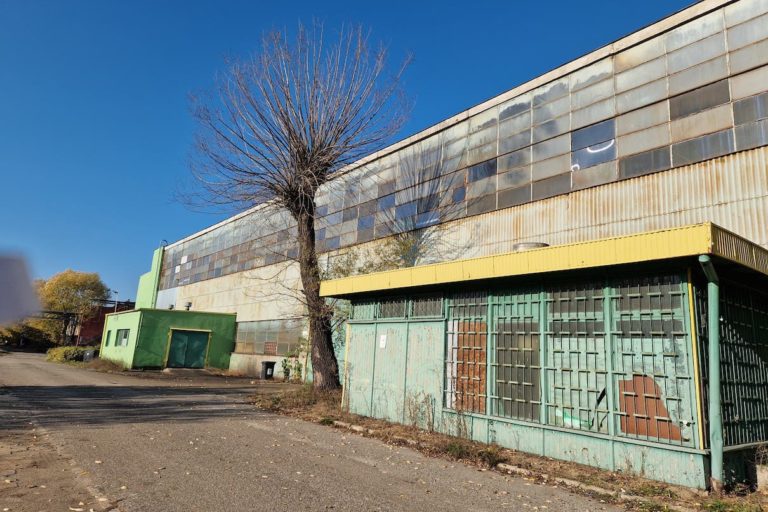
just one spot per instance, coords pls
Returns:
(470, 366)
(644, 412)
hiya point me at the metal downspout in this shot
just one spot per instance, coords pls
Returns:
(715, 414)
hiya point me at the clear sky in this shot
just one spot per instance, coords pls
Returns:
(95, 129)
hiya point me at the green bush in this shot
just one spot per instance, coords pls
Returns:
(67, 354)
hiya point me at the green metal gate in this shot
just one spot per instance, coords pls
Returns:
(187, 349)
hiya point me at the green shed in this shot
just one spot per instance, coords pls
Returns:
(160, 338)
(646, 354)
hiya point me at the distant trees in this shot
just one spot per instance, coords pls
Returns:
(285, 123)
(72, 291)
(67, 292)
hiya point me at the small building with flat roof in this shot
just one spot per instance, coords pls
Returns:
(162, 338)
(646, 354)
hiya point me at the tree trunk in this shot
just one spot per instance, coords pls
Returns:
(325, 368)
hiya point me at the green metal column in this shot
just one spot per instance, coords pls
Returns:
(715, 414)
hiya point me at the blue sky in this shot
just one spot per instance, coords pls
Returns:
(95, 129)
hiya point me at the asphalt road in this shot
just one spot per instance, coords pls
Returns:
(149, 444)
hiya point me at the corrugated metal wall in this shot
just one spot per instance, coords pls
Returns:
(731, 191)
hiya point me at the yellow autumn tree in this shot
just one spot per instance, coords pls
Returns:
(68, 292)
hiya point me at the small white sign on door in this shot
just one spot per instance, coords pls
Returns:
(383, 341)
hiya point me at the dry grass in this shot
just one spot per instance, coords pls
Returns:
(104, 365)
(324, 408)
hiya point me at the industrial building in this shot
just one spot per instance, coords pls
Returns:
(156, 338)
(664, 128)
(600, 352)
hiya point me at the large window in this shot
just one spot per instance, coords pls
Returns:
(743, 363)
(121, 338)
(398, 308)
(269, 337)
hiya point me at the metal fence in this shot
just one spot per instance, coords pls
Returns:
(743, 363)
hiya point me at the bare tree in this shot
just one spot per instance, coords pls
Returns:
(419, 231)
(286, 122)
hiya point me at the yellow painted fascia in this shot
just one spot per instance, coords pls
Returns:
(730, 246)
(651, 246)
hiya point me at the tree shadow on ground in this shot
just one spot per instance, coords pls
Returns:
(103, 406)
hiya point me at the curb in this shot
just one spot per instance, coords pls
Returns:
(527, 473)
(620, 496)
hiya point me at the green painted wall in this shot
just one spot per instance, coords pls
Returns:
(150, 331)
(146, 295)
(125, 320)
(397, 371)
(155, 334)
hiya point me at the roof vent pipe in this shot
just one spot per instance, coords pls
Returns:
(527, 246)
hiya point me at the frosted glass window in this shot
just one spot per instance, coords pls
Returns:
(552, 147)
(592, 74)
(748, 33)
(744, 10)
(641, 74)
(699, 52)
(695, 30)
(551, 128)
(639, 54)
(699, 75)
(592, 94)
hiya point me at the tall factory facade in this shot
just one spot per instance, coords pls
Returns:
(663, 128)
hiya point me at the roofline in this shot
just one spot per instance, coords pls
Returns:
(639, 36)
(666, 244)
(139, 310)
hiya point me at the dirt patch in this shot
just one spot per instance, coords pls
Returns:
(34, 475)
(634, 492)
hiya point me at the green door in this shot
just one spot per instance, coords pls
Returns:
(187, 349)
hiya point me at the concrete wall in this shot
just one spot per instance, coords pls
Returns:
(260, 294)
(250, 364)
